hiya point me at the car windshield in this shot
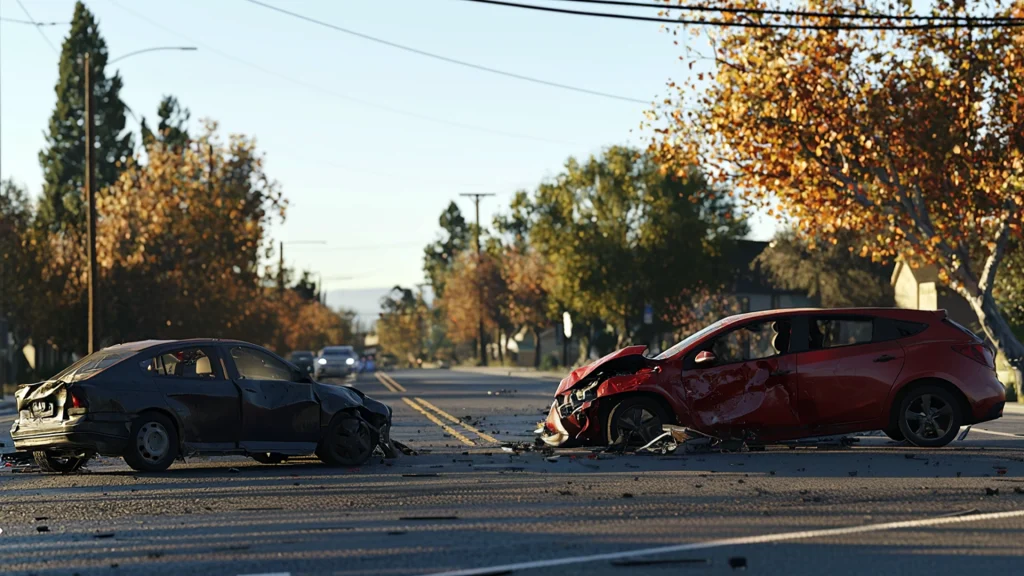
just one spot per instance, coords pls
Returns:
(337, 352)
(688, 341)
(92, 364)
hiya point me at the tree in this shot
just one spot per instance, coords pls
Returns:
(834, 273)
(619, 233)
(525, 278)
(1009, 288)
(402, 324)
(23, 297)
(306, 288)
(172, 130)
(439, 256)
(63, 158)
(475, 291)
(914, 139)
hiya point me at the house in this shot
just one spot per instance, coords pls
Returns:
(919, 288)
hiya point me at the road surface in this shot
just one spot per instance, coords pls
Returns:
(465, 504)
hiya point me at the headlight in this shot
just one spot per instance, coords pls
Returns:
(350, 361)
(322, 361)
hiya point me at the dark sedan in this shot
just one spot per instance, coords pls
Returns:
(304, 359)
(153, 401)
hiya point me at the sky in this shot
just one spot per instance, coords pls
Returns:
(368, 143)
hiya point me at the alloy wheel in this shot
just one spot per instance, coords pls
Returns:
(929, 417)
(638, 425)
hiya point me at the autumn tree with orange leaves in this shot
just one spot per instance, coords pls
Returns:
(913, 139)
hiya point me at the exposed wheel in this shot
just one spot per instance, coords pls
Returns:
(51, 463)
(268, 457)
(895, 434)
(153, 443)
(348, 441)
(929, 417)
(637, 420)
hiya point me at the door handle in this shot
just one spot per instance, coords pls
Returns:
(884, 358)
(780, 372)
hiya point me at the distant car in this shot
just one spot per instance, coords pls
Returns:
(339, 361)
(787, 374)
(153, 401)
(303, 359)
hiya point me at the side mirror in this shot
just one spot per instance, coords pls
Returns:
(705, 358)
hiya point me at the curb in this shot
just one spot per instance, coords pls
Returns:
(1013, 408)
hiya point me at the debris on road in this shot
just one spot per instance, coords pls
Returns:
(963, 434)
(502, 392)
(991, 491)
(42, 528)
(403, 448)
(738, 563)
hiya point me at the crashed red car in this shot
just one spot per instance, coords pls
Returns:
(781, 375)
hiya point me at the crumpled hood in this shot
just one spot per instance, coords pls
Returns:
(583, 371)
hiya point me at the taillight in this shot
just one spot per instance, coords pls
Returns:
(77, 400)
(977, 352)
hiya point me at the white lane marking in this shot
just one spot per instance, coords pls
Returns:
(994, 433)
(745, 540)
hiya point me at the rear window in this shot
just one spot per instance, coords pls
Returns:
(93, 364)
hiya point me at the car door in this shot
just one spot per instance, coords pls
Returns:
(279, 408)
(750, 388)
(205, 399)
(847, 371)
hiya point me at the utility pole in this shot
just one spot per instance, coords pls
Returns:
(480, 291)
(91, 200)
(280, 268)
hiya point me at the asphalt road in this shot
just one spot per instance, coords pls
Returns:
(463, 504)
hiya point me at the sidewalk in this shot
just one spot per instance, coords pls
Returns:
(515, 371)
(1013, 408)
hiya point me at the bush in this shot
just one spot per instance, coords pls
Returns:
(549, 362)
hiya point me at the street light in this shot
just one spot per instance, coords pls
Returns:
(90, 193)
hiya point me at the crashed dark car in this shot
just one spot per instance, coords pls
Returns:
(153, 401)
(783, 375)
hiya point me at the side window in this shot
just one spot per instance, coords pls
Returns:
(184, 363)
(256, 365)
(827, 332)
(752, 342)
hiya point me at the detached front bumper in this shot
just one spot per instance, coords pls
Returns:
(570, 422)
(109, 438)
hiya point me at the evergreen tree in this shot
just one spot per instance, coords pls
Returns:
(173, 127)
(63, 158)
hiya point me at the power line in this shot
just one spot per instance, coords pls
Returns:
(446, 58)
(33, 21)
(17, 21)
(986, 23)
(340, 95)
(769, 12)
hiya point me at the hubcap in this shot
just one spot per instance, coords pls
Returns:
(929, 417)
(153, 441)
(638, 425)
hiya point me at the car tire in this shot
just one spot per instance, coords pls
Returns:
(57, 464)
(348, 441)
(895, 434)
(268, 457)
(929, 417)
(639, 419)
(152, 443)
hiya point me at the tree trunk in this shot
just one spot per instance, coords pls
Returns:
(501, 347)
(998, 330)
(536, 348)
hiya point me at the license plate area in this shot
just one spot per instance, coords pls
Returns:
(42, 409)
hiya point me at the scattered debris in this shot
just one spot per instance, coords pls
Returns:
(42, 528)
(852, 472)
(421, 475)
(404, 449)
(738, 563)
(396, 532)
(102, 535)
(991, 491)
(233, 470)
(553, 458)
(1018, 490)
(963, 434)
(962, 513)
(627, 495)
(503, 391)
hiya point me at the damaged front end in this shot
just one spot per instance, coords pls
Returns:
(575, 416)
(334, 398)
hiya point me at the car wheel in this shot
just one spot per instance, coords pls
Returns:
(895, 434)
(51, 463)
(268, 457)
(153, 443)
(637, 420)
(348, 441)
(929, 417)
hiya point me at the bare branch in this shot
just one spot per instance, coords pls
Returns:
(988, 274)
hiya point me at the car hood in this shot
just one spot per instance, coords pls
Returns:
(582, 372)
(342, 397)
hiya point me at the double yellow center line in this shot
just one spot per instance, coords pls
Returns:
(435, 414)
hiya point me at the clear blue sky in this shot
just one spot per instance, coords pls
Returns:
(358, 175)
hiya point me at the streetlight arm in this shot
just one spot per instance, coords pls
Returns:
(123, 56)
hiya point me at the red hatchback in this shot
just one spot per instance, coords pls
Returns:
(787, 374)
